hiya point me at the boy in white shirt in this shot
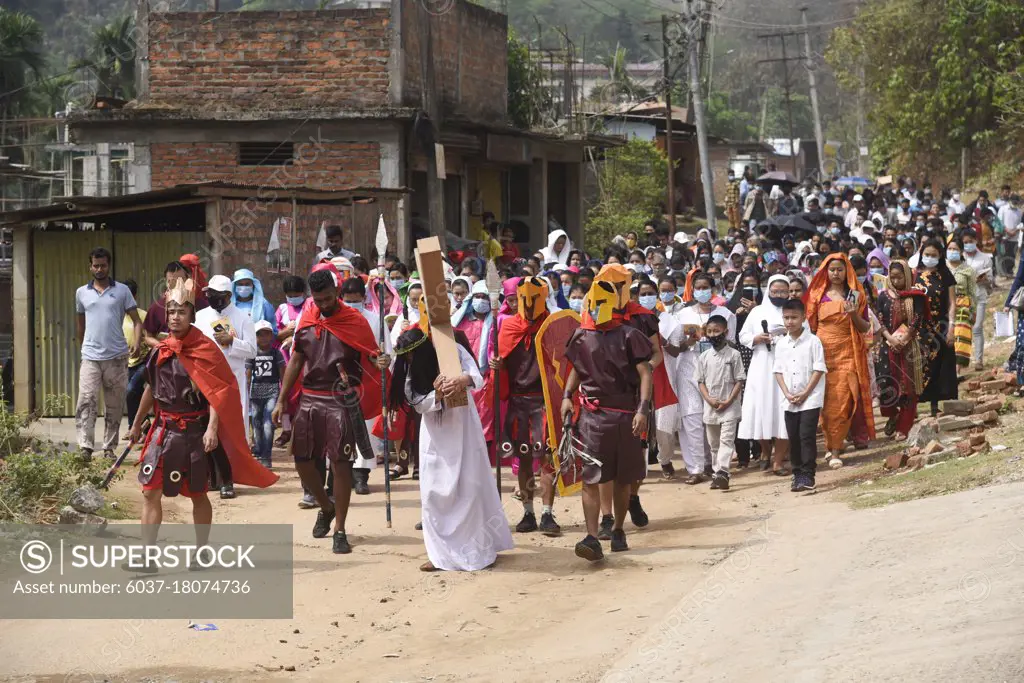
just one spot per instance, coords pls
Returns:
(720, 376)
(799, 368)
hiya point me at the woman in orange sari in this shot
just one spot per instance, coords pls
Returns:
(837, 312)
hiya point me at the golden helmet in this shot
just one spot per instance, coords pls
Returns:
(601, 302)
(532, 295)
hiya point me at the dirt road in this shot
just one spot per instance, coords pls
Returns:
(543, 615)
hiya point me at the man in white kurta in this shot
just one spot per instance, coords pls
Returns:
(764, 417)
(682, 329)
(464, 525)
(242, 343)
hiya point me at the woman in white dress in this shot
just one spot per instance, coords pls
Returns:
(464, 525)
(763, 417)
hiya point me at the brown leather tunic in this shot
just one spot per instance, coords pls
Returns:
(321, 424)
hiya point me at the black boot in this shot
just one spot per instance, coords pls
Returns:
(360, 481)
(636, 512)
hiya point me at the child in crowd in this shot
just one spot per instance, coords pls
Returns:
(720, 376)
(799, 369)
(266, 370)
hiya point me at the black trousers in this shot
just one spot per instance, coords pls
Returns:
(747, 449)
(802, 428)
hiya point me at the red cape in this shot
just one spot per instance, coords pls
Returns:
(514, 330)
(350, 327)
(207, 367)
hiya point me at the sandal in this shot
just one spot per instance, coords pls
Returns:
(781, 472)
(694, 479)
(398, 471)
(900, 437)
(428, 566)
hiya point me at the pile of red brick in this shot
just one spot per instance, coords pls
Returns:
(978, 409)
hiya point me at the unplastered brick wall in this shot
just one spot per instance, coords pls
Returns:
(270, 61)
(317, 165)
(246, 225)
(469, 56)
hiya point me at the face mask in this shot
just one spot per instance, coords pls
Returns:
(887, 251)
(970, 247)
(717, 341)
(397, 283)
(702, 296)
(835, 231)
(414, 314)
(220, 303)
(358, 305)
(649, 301)
(778, 300)
(243, 291)
(876, 271)
(576, 305)
(953, 256)
(565, 290)
(481, 305)
(631, 243)
(668, 297)
(919, 224)
(718, 257)
(929, 261)
(680, 292)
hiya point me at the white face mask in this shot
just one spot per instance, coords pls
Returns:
(929, 261)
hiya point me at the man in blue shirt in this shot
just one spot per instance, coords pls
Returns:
(102, 305)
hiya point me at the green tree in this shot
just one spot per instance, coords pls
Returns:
(621, 87)
(21, 59)
(729, 123)
(112, 59)
(527, 98)
(937, 73)
(631, 182)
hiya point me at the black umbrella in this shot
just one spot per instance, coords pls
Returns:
(777, 177)
(780, 226)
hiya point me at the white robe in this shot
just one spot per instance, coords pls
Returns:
(680, 369)
(242, 348)
(464, 525)
(763, 416)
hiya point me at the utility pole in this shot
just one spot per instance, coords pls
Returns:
(819, 137)
(707, 179)
(861, 166)
(430, 104)
(786, 85)
(667, 74)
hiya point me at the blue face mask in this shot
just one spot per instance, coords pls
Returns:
(565, 290)
(953, 256)
(358, 305)
(481, 305)
(668, 297)
(243, 291)
(876, 271)
(718, 257)
(397, 283)
(679, 293)
(649, 301)
(295, 301)
(702, 296)
(887, 251)
(576, 305)
(835, 231)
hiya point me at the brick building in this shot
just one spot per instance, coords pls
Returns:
(326, 100)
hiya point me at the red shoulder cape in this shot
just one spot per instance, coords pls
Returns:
(350, 327)
(207, 367)
(514, 330)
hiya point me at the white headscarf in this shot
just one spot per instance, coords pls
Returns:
(548, 252)
(776, 193)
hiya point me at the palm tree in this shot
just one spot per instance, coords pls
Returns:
(621, 87)
(112, 59)
(21, 55)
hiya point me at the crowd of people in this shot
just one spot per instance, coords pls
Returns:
(733, 350)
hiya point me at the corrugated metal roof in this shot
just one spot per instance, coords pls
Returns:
(79, 206)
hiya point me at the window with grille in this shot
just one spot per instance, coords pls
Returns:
(265, 153)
